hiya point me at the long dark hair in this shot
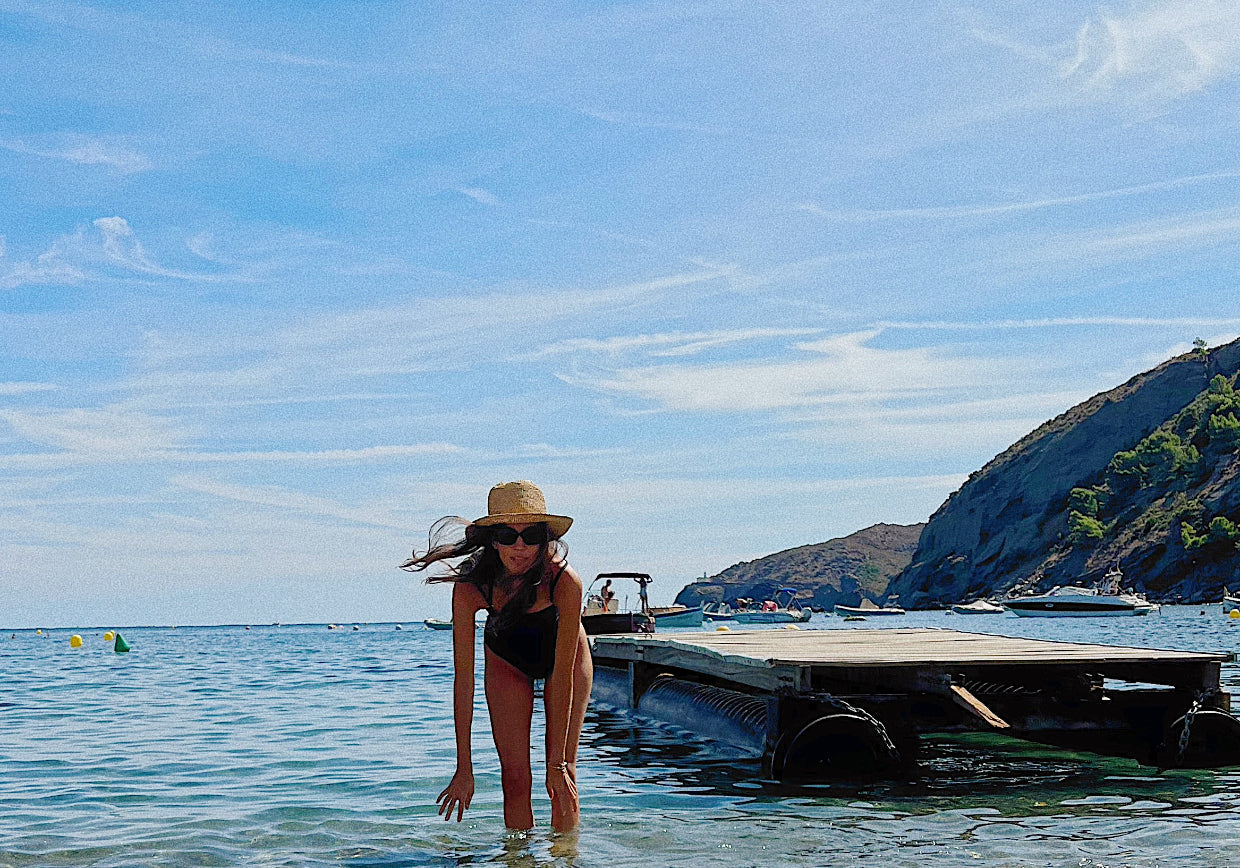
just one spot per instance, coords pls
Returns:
(465, 550)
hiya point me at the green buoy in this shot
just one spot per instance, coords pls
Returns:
(121, 645)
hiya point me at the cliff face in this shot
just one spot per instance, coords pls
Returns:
(1145, 475)
(838, 571)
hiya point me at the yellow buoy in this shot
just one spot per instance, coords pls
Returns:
(1234, 614)
(75, 641)
(109, 636)
(721, 628)
(791, 627)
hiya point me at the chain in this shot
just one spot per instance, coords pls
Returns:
(1198, 703)
(888, 745)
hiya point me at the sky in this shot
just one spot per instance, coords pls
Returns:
(283, 283)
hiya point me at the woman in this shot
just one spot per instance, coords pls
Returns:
(514, 567)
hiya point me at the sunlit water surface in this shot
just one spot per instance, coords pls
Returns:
(300, 745)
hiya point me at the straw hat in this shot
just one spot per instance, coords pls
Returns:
(522, 503)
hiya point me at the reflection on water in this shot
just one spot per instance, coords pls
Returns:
(1012, 776)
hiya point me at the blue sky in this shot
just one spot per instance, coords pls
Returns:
(282, 283)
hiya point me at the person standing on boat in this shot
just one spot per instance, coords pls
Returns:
(512, 564)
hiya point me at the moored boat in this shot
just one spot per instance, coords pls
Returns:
(866, 609)
(718, 612)
(979, 607)
(781, 610)
(676, 616)
(1071, 601)
(437, 624)
(601, 613)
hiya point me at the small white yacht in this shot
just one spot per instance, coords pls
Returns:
(1081, 602)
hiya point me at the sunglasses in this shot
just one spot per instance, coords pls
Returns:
(534, 535)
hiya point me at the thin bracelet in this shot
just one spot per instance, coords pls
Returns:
(562, 767)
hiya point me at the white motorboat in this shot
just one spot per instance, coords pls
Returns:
(676, 615)
(781, 610)
(1080, 602)
(979, 607)
(866, 609)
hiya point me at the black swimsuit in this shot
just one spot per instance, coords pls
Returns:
(524, 639)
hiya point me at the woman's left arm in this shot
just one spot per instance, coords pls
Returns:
(568, 592)
(568, 604)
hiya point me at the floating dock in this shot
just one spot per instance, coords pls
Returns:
(821, 703)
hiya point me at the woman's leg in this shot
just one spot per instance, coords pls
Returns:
(583, 680)
(510, 704)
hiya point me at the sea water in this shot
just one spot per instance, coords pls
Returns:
(305, 746)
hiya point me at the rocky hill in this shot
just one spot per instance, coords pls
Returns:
(842, 570)
(1146, 476)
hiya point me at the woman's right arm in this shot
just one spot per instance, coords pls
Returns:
(466, 601)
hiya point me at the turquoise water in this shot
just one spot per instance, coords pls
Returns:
(299, 745)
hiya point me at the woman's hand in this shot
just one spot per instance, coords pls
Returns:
(562, 788)
(457, 795)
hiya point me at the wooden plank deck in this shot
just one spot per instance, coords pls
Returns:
(782, 659)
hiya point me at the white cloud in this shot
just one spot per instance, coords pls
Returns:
(984, 209)
(1163, 50)
(838, 369)
(1140, 241)
(71, 258)
(457, 333)
(668, 343)
(25, 388)
(482, 197)
(122, 248)
(85, 448)
(46, 270)
(324, 456)
(283, 499)
(946, 428)
(1190, 230)
(94, 153)
(1066, 322)
(108, 432)
(86, 151)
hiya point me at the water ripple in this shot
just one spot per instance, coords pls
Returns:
(299, 746)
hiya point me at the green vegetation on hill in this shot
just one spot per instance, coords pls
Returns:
(1159, 484)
